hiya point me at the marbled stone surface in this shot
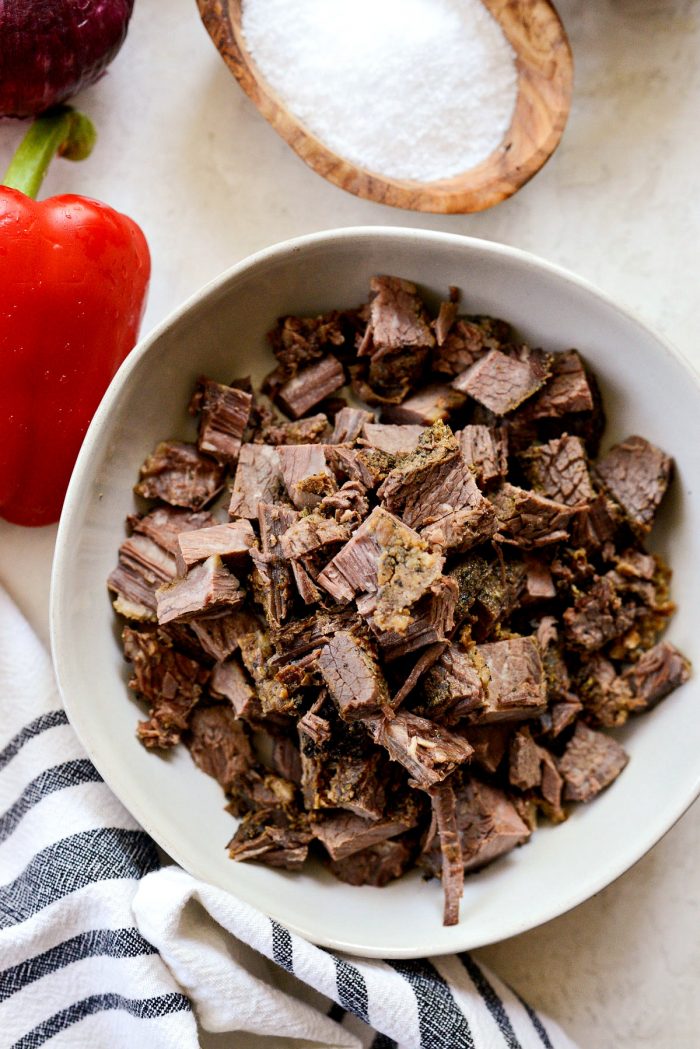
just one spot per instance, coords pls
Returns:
(183, 151)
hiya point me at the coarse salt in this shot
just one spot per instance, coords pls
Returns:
(409, 89)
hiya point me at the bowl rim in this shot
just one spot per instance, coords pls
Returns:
(663, 819)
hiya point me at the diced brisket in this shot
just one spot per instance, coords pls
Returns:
(516, 686)
(165, 523)
(258, 480)
(219, 745)
(143, 567)
(218, 634)
(431, 621)
(488, 823)
(224, 413)
(657, 672)
(353, 676)
(312, 430)
(344, 833)
(178, 473)
(485, 450)
(468, 339)
(424, 662)
(502, 381)
(231, 541)
(590, 763)
(349, 424)
(431, 404)
(490, 743)
(559, 470)
(356, 784)
(454, 686)
(529, 520)
(398, 318)
(636, 474)
(168, 681)
(605, 694)
(428, 751)
(279, 837)
(596, 523)
(524, 760)
(452, 867)
(396, 440)
(207, 587)
(597, 615)
(539, 585)
(377, 865)
(568, 390)
(447, 314)
(310, 386)
(306, 476)
(297, 341)
(228, 681)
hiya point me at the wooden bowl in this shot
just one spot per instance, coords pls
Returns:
(545, 74)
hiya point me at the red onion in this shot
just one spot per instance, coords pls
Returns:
(50, 49)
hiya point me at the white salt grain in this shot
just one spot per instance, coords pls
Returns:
(410, 89)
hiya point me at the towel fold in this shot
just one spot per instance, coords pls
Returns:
(100, 945)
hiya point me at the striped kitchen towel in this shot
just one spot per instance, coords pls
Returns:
(101, 946)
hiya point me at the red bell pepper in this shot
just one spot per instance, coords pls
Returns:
(73, 281)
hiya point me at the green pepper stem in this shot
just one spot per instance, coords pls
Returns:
(63, 131)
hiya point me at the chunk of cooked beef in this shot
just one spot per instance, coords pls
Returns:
(490, 743)
(428, 751)
(165, 523)
(356, 784)
(223, 417)
(389, 379)
(421, 666)
(218, 634)
(452, 867)
(256, 652)
(296, 341)
(377, 865)
(306, 475)
(279, 837)
(516, 685)
(231, 541)
(556, 671)
(349, 424)
(489, 590)
(657, 672)
(502, 381)
(383, 556)
(344, 833)
(447, 314)
(596, 523)
(569, 390)
(271, 579)
(393, 439)
(454, 515)
(431, 404)
(590, 763)
(207, 587)
(488, 823)
(431, 621)
(597, 615)
(562, 715)
(436, 452)
(285, 759)
(454, 685)
(468, 339)
(347, 506)
(258, 480)
(606, 695)
(353, 676)
(143, 566)
(529, 520)
(524, 760)
(170, 682)
(485, 450)
(539, 585)
(310, 386)
(219, 745)
(179, 474)
(228, 681)
(312, 430)
(398, 318)
(559, 470)
(636, 474)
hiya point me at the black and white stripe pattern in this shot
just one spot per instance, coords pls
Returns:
(98, 944)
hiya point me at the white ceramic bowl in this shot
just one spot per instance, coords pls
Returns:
(648, 389)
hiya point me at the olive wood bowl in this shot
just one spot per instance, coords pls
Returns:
(545, 74)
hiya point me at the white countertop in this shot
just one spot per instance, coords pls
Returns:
(183, 151)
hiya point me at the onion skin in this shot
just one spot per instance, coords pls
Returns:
(51, 49)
